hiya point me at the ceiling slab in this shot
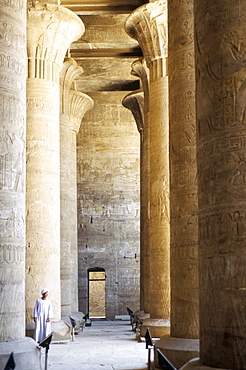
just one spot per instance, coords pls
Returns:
(105, 51)
(92, 6)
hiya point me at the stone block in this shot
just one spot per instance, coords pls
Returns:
(178, 350)
(61, 329)
(25, 352)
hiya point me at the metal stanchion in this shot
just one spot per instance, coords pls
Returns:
(87, 320)
(73, 323)
(10, 365)
(149, 346)
(163, 361)
(45, 343)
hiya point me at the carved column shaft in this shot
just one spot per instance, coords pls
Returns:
(69, 73)
(12, 169)
(135, 103)
(51, 29)
(66, 270)
(159, 197)
(140, 69)
(148, 24)
(183, 170)
(220, 69)
(43, 193)
(79, 104)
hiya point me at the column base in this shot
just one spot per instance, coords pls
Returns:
(26, 354)
(158, 327)
(195, 364)
(78, 317)
(61, 329)
(178, 350)
(142, 314)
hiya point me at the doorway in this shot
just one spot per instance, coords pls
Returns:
(97, 293)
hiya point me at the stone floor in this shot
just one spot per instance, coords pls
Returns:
(106, 345)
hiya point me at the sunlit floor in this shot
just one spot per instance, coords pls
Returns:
(106, 345)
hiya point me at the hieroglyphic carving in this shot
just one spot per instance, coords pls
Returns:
(12, 65)
(51, 29)
(148, 25)
(11, 36)
(40, 105)
(183, 192)
(229, 152)
(10, 108)
(220, 72)
(12, 168)
(73, 107)
(12, 144)
(216, 229)
(140, 69)
(11, 224)
(11, 254)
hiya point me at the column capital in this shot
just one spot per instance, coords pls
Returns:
(148, 25)
(69, 72)
(79, 104)
(135, 103)
(139, 69)
(50, 30)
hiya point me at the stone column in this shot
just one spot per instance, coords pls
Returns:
(221, 153)
(139, 105)
(140, 69)
(12, 169)
(79, 104)
(70, 71)
(148, 25)
(51, 29)
(183, 343)
(135, 103)
(12, 187)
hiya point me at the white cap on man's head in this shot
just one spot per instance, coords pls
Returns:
(44, 291)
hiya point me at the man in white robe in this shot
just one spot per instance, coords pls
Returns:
(42, 314)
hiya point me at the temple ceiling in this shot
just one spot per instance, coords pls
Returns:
(105, 51)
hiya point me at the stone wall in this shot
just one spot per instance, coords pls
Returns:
(108, 202)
